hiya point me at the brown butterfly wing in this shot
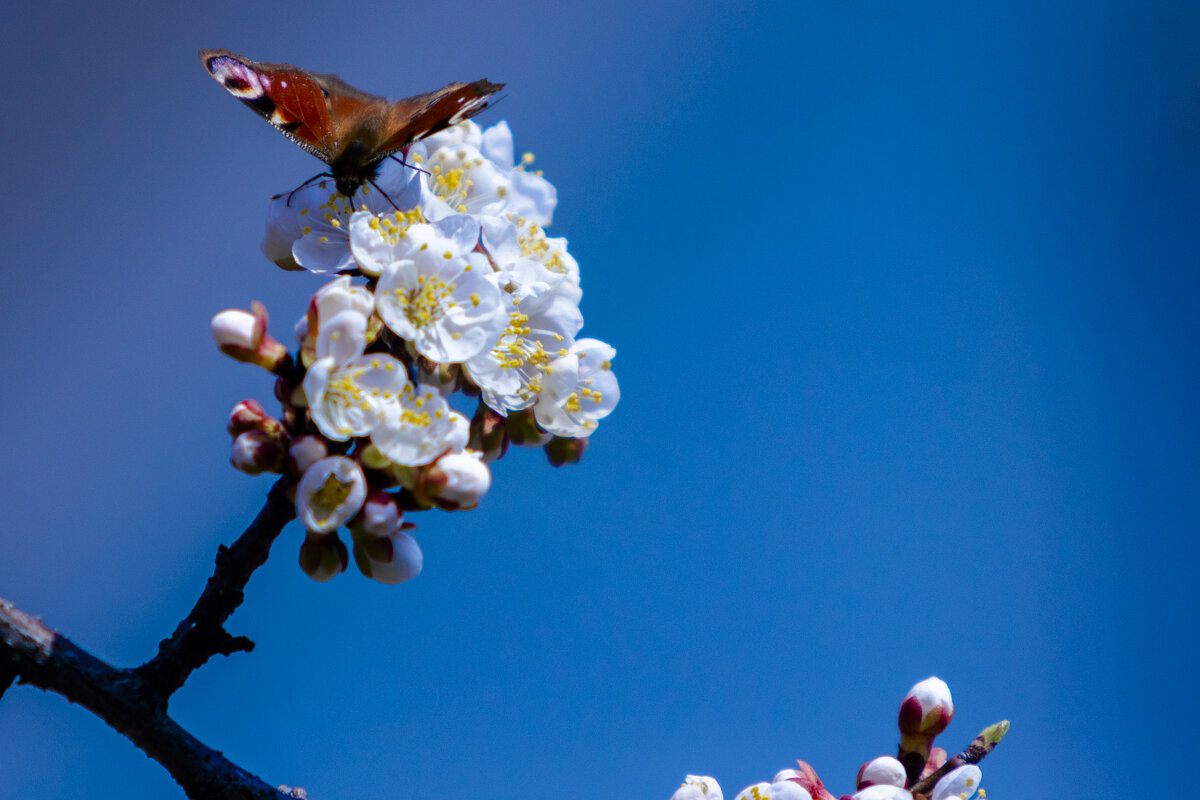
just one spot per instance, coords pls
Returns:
(413, 118)
(315, 111)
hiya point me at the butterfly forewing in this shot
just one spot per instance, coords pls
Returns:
(348, 129)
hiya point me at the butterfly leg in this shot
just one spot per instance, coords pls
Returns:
(382, 192)
(304, 185)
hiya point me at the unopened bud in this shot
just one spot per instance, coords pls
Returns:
(380, 516)
(249, 415)
(389, 559)
(243, 335)
(306, 451)
(255, 452)
(562, 451)
(882, 771)
(523, 430)
(882, 792)
(489, 434)
(807, 778)
(456, 481)
(926, 711)
(323, 555)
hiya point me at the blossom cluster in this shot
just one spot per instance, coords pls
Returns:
(444, 286)
(920, 771)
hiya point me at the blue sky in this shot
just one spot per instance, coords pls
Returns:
(907, 308)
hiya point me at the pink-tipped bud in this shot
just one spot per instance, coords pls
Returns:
(807, 778)
(255, 452)
(882, 771)
(937, 757)
(322, 556)
(927, 709)
(243, 335)
(249, 415)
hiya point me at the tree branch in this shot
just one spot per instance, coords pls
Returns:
(983, 744)
(133, 701)
(201, 634)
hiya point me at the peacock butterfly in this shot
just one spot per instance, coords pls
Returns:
(348, 129)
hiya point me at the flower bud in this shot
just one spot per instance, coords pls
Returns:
(322, 556)
(523, 430)
(698, 787)
(243, 335)
(249, 415)
(306, 451)
(380, 516)
(885, 771)
(489, 434)
(455, 481)
(937, 757)
(389, 559)
(255, 452)
(331, 492)
(926, 711)
(561, 450)
(882, 792)
(808, 780)
(927, 708)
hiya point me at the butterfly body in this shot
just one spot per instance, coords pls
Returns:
(350, 130)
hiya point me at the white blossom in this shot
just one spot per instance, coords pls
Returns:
(419, 427)
(698, 787)
(958, 784)
(330, 494)
(437, 294)
(579, 389)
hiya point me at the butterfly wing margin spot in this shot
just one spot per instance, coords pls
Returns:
(291, 99)
(414, 118)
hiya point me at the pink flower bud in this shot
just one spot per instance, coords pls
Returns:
(249, 415)
(883, 771)
(243, 335)
(322, 556)
(927, 709)
(255, 452)
(808, 780)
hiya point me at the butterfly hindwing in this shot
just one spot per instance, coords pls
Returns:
(414, 118)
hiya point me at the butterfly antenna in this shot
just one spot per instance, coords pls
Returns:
(304, 185)
(404, 163)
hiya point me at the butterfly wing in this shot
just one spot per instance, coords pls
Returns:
(312, 110)
(413, 118)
